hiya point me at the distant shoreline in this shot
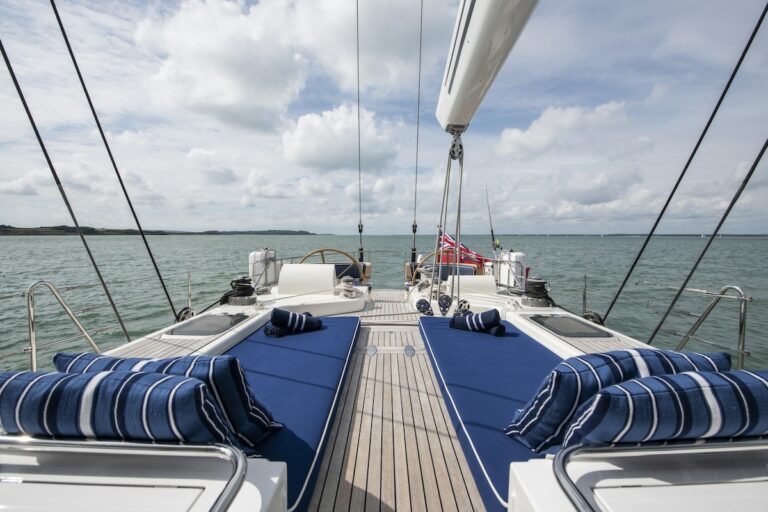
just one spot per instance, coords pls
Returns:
(6, 230)
(69, 230)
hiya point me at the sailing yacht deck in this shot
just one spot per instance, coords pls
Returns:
(392, 445)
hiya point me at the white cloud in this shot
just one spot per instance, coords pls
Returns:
(206, 155)
(287, 70)
(388, 40)
(557, 126)
(658, 92)
(596, 187)
(328, 141)
(18, 187)
(223, 176)
(261, 185)
(226, 60)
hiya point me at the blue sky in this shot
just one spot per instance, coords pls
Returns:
(227, 115)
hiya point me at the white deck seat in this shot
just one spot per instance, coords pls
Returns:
(302, 279)
(478, 284)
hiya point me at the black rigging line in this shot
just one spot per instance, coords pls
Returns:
(111, 157)
(711, 238)
(414, 226)
(61, 188)
(688, 162)
(359, 158)
(490, 220)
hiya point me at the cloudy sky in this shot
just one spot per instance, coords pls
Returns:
(242, 115)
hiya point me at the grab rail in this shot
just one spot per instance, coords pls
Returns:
(723, 293)
(583, 504)
(235, 457)
(31, 320)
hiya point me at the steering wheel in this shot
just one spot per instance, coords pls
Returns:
(419, 266)
(326, 250)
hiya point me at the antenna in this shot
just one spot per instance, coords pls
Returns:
(494, 242)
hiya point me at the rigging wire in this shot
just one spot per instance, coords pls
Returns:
(688, 162)
(112, 158)
(61, 188)
(438, 264)
(494, 245)
(457, 247)
(735, 198)
(359, 157)
(414, 226)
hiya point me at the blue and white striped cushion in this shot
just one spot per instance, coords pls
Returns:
(295, 322)
(248, 418)
(480, 322)
(543, 421)
(129, 406)
(689, 406)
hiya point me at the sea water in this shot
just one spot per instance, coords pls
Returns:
(213, 261)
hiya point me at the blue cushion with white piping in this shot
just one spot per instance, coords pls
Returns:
(482, 378)
(686, 406)
(301, 379)
(129, 406)
(247, 417)
(543, 421)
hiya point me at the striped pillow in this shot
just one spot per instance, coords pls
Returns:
(690, 405)
(129, 406)
(295, 322)
(543, 421)
(248, 418)
(487, 321)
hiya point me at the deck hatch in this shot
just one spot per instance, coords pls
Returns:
(207, 325)
(570, 327)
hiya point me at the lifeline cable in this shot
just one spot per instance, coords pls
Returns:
(61, 188)
(688, 162)
(735, 198)
(111, 157)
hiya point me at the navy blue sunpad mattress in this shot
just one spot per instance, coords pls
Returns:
(298, 378)
(486, 379)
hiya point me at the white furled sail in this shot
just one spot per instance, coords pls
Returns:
(485, 32)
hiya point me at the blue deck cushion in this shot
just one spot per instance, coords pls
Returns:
(487, 321)
(689, 405)
(129, 406)
(295, 322)
(543, 421)
(246, 416)
(482, 378)
(299, 378)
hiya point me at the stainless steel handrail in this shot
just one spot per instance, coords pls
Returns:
(31, 320)
(582, 504)
(233, 455)
(100, 330)
(517, 283)
(723, 293)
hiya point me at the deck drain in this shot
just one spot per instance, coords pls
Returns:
(371, 350)
(409, 351)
